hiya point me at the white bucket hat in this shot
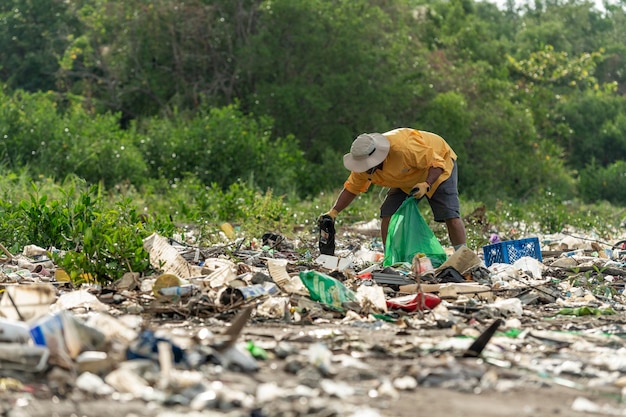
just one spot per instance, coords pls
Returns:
(367, 151)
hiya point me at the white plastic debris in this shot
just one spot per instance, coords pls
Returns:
(530, 265)
(220, 271)
(334, 262)
(509, 306)
(92, 383)
(32, 301)
(583, 405)
(278, 272)
(80, 299)
(372, 294)
(167, 258)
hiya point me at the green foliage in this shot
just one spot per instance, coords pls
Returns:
(557, 69)
(205, 208)
(45, 221)
(592, 126)
(33, 34)
(222, 146)
(109, 242)
(604, 183)
(59, 142)
(271, 93)
(92, 233)
(324, 70)
(547, 214)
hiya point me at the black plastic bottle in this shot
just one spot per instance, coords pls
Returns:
(327, 235)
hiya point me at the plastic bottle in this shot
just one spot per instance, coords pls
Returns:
(421, 264)
(165, 281)
(177, 290)
(327, 235)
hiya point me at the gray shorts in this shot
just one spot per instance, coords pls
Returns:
(444, 202)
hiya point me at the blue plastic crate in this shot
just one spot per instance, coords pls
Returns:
(511, 250)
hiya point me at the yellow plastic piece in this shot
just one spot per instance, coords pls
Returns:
(228, 230)
(61, 276)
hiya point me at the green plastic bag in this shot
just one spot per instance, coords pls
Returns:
(409, 234)
(327, 290)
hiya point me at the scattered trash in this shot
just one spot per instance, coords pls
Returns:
(328, 290)
(26, 302)
(479, 345)
(12, 331)
(332, 262)
(332, 331)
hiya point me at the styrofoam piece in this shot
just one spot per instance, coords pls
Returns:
(334, 262)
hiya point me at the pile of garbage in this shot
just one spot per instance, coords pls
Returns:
(272, 330)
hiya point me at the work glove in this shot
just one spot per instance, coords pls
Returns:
(332, 213)
(420, 189)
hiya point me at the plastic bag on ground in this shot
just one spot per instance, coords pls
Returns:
(327, 290)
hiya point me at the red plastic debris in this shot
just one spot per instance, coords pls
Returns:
(414, 302)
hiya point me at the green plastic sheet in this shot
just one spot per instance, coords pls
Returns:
(409, 234)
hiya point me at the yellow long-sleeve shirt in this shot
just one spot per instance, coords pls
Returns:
(411, 153)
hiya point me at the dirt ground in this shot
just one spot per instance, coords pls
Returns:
(461, 394)
(432, 402)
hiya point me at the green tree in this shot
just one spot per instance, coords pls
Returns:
(56, 138)
(593, 127)
(606, 183)
(326, 71)
(33, 33)
(148, 58)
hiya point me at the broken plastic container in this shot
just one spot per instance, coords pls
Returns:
(65, 335)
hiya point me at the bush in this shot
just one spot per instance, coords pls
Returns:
(604, 183)
(95, 235)
(222, 147)
(57, 143)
